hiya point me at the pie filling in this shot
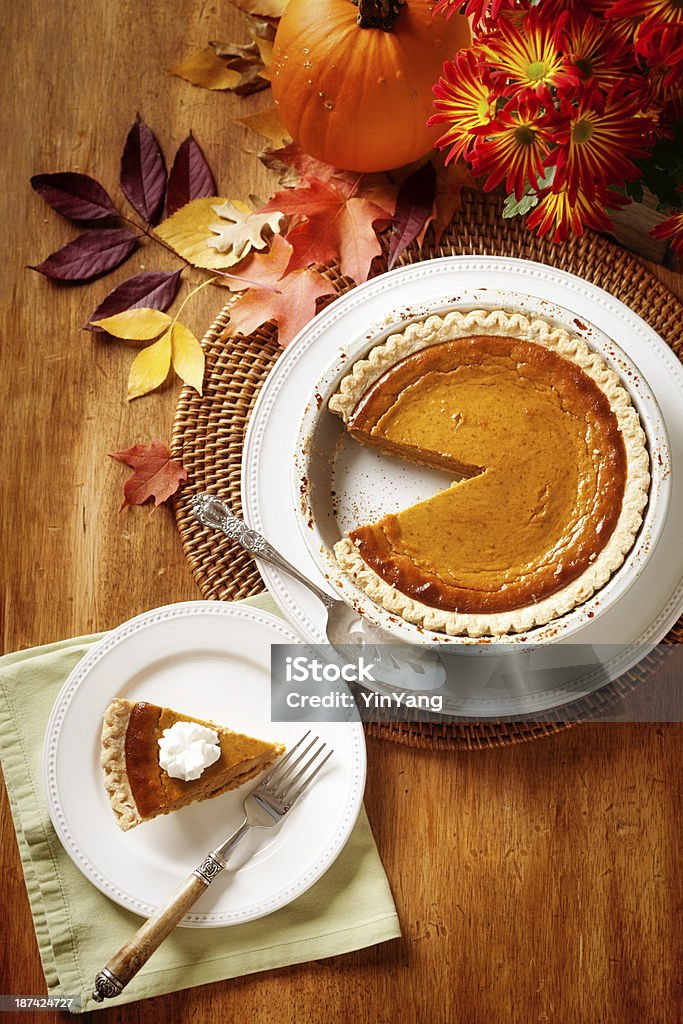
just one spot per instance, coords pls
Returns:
(544, 466)
(154, 790)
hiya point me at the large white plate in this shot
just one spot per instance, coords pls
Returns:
(211, 660)
(647, 609)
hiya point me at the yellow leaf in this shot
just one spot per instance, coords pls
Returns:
(140, 324)
(265, 49)
(150, 367)
(188, 232)
(188, 356)
(262, 8)
(269, 124)
(206, 70)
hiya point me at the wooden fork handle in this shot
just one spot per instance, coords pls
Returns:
(125, 964)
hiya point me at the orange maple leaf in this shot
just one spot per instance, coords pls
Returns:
(156, 474)
(333, 221)
(288, 298)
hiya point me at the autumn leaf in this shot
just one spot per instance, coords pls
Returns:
(143, 172)
(76, 196)
(251, 80)
(450, 181)
(267, 123)
(414, 208)
(135, 324)
(192, 231)
(89, 255)
(240, 229)
(262, 8)
(245, 59)
(333, 223)
(294, 166)
(150, 367)
(297, 168)
(206, 70)
(188, 232)
(156, 474)
(187, 356)
(190, 176)
(176, 345)
(287, 298)
(265, 49)
(155, 289)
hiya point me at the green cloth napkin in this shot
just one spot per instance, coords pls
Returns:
(78, 928)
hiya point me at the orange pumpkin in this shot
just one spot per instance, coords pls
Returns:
(359, 97)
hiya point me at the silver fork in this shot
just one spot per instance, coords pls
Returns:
(265, 807)
(400, 664)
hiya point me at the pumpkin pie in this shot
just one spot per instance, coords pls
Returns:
(548, 467)
(140, 789)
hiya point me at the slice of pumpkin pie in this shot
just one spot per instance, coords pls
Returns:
(156, 760)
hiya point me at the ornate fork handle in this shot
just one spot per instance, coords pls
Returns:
(213, 512)
(250, 540)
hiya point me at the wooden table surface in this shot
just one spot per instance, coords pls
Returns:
(535, 883)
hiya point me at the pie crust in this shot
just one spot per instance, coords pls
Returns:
(498, 323)
(257, 755)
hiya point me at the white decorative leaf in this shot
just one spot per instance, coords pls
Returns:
(240, 229)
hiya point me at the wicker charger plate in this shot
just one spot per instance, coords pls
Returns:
(208, 436)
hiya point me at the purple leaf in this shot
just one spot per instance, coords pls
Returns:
(143, 172)
(153, 289)
(76, 196)
(88, 256)
(413, 207)
(190, 176)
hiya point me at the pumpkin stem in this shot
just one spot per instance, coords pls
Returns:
(378, 13)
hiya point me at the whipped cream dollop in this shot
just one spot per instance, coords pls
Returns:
(187, 749)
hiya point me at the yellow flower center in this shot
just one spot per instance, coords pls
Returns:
(582, 131)
(537, 71)
(483, 110)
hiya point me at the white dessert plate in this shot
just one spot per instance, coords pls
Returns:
(651, 598)
(212, 660)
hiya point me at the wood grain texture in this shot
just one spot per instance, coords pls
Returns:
(535, 884)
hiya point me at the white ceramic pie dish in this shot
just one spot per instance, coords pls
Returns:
(338, 483)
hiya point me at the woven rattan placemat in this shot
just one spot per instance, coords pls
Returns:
(209, 432)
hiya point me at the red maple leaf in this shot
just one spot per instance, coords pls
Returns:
(156, 474)
(335, 220)
(377, 187)
(288, 298)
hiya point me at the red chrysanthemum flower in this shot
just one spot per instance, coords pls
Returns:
(525, 59)
(580, 8)
(662, 51)
(598, 139)
(654, 11)
(671, 228)
(463, 102)
(593, 54)
(513, 147)
(478, 10)
(559, 213)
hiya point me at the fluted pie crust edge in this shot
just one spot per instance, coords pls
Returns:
(113, 761)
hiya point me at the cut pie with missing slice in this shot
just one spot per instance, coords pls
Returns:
(140, 789)
(549, 472)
